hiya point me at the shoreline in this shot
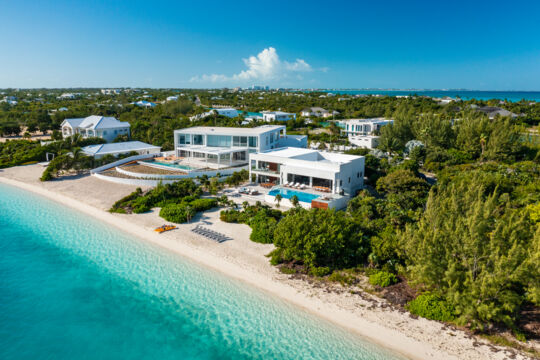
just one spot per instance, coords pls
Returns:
(269, 279)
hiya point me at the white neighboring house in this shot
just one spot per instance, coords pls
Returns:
(111, 91)
(107, 128)
(231, 146)
(115, 149)
(68, 96)
(318, 112)
(314, 111)
(11, 100)
(144, 103)
(172, 98)
(312, 170)
(361, 132)
(270, 116)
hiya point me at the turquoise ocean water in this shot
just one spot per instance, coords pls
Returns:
(513, 96)
(73, 288)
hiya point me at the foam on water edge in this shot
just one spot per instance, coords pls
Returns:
(72, 287)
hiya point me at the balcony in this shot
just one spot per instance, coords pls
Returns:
(264, 170)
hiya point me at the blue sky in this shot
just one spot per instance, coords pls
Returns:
(486, 45)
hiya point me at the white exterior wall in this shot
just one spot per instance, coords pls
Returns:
(269, 117)
(368, 141)
(107, 134)
(265, 141)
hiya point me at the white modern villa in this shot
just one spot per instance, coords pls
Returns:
(318, 112)
(318, 179)
(361, 132)
(107, 128)
(228, 112)
(227, 146)
(271, 116)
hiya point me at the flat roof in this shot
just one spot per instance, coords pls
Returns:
(317, 157)
(212, 149)
(230, 130)
(371, 120)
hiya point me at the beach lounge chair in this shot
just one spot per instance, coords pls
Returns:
(302, 186)
(297, 185)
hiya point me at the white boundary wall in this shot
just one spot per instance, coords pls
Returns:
(193, 174)
(122, 161)
(137, 182)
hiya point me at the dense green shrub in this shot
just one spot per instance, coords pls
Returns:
(176, 213)
(382, 279)
(319, 271)
(142, 205)
(203, 204)
(230, 216)
(263, 228)
(430, 306)
(320, 238)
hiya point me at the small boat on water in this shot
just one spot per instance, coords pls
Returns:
(164, 228)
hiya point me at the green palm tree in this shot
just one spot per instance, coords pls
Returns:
(278, 199)
(294, 201)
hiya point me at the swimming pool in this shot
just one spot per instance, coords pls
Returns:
(289, 193)
(177, 166)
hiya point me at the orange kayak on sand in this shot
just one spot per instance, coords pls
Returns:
(164, 228)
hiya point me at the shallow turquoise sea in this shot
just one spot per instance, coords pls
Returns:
(512, 96)
(73, 288)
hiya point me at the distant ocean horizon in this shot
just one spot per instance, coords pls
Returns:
(512, 96)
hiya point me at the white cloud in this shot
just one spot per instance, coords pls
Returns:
(265, 66)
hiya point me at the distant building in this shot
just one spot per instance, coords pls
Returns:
(107, 128)
(172, 98)
(11, 100)
(362, 126)
(361, 132)
(67, 96)
(228, 112)
(270, 116)
(110, 91)
(493, 111)
(318, 112)
(445, 100)
(314, 111)
(144, 103)
(63, 109)
(115, 149)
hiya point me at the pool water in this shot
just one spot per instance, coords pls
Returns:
(289, 193)
(177, 166)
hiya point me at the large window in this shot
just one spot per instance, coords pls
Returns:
(253, 140)
(184, 139)
(240, 141)
(219, 141)
(239, 156)
(198, 140)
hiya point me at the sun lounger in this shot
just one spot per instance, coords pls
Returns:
(297, 185)
(302, 186)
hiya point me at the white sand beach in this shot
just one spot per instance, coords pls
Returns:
(366, 315)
